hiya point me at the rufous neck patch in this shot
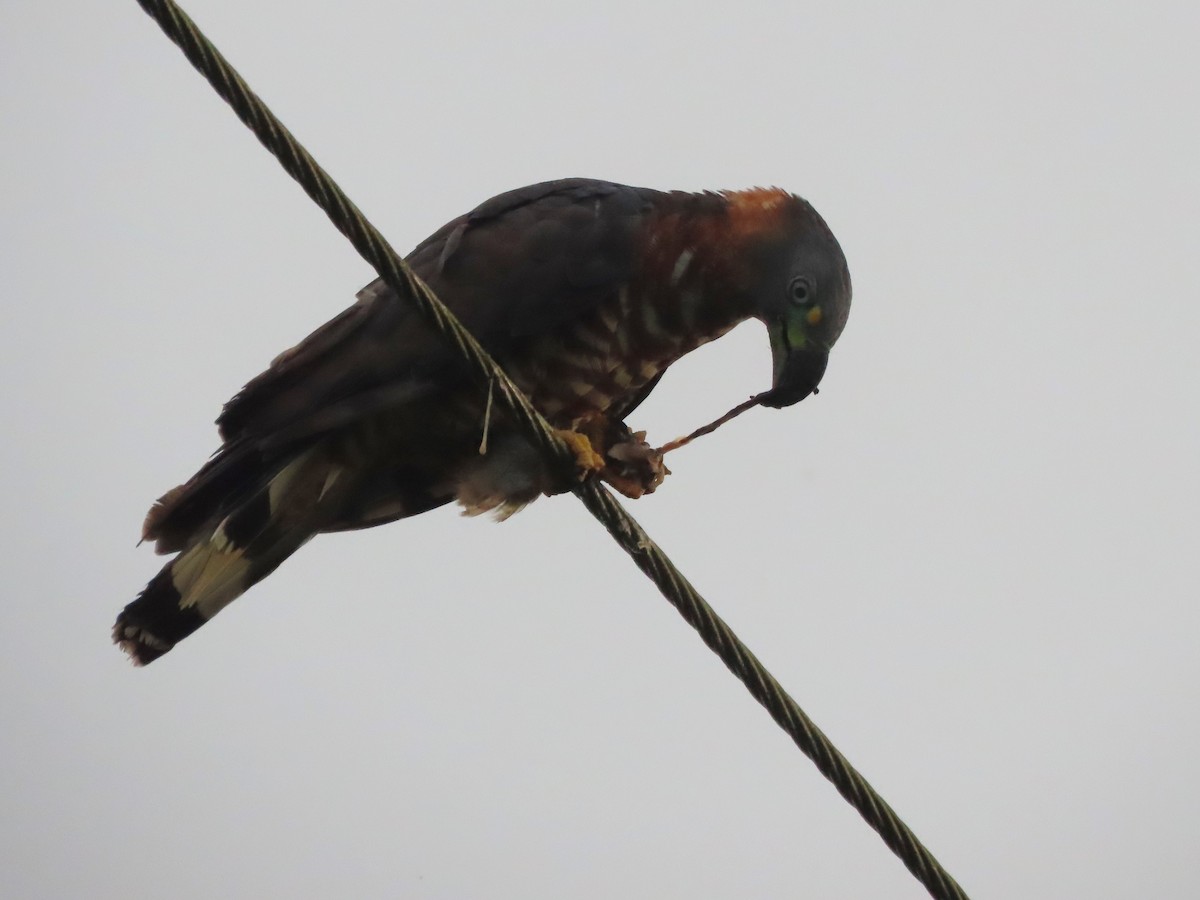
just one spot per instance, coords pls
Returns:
(701, 248)
(757, 210)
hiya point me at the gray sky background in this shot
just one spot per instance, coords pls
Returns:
(973, 559)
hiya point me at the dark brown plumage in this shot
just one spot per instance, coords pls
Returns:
(584, 291)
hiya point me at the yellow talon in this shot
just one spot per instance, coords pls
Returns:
(587, 460)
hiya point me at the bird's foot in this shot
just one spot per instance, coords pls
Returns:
(587, 460)
(619, 456)
(630, 464)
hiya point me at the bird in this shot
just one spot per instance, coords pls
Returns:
(584, 291)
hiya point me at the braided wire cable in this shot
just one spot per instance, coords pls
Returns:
(646, 554)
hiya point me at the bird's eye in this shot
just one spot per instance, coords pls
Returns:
(800, 291)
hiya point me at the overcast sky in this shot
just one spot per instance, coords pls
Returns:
(974, 558)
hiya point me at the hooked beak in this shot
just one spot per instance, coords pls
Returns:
(798, 369)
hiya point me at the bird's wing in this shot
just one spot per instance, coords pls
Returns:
(520, 263)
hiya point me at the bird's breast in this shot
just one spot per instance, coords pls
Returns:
(603, 359)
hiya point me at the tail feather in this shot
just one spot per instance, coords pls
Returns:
(221, 562)
(179, 516)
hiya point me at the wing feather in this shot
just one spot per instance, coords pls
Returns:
(520, 263)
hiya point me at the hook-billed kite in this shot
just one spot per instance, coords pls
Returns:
(583, 291)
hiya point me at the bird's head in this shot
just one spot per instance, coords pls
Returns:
(800, 290)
